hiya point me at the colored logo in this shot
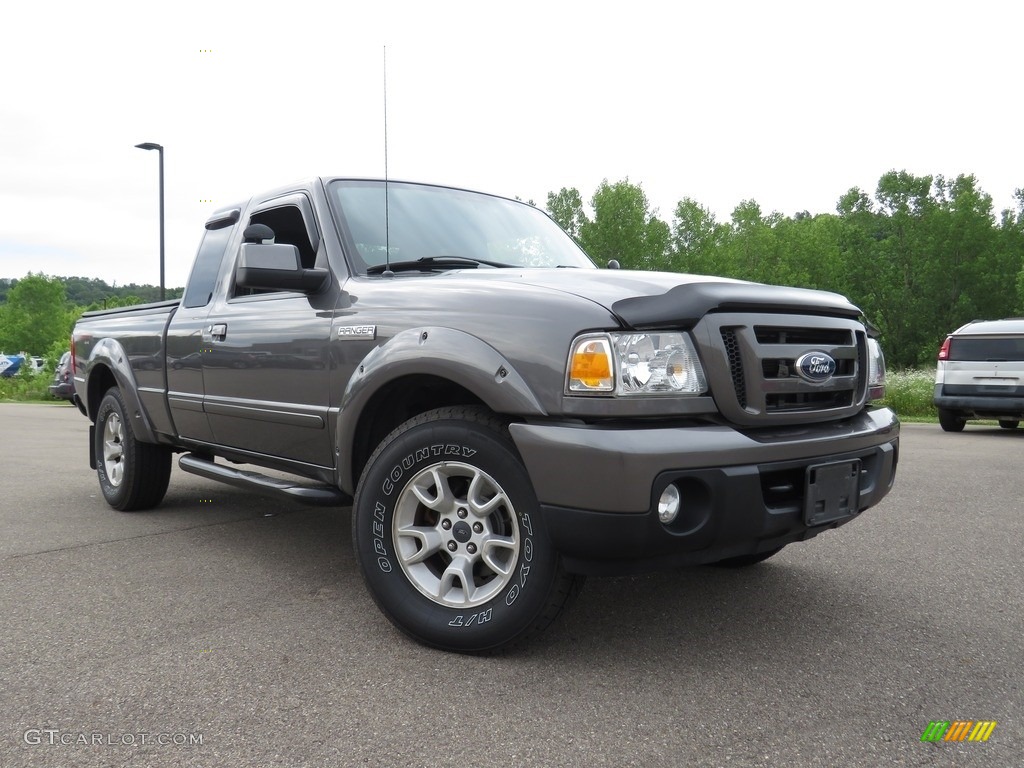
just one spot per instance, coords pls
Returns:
(958, 730)
(816, 366)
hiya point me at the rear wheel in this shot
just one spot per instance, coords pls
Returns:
(450, 539)
(951, 421)
(133, 475)
(1008, 423)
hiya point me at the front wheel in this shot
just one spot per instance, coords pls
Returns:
(133, 475)
(449, 537)
(1008, 423)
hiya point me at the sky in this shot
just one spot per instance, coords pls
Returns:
(787, 103)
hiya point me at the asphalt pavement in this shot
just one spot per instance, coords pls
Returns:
(228, 629)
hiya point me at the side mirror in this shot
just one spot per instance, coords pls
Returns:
(277, 267)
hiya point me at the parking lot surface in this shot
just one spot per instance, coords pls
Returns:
(226, 629)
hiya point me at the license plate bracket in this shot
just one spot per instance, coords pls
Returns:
(831, 491)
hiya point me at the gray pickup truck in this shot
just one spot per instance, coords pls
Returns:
(503, 417)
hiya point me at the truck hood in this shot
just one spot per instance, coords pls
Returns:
(651, 300)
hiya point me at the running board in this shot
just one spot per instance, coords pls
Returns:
(315, 495)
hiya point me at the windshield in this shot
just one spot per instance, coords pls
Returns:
(427, 222)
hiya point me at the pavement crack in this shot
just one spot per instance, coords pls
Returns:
(86, 545)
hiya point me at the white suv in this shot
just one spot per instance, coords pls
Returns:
(981, 374)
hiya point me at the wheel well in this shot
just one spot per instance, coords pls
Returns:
(397, 402)
(101, 378)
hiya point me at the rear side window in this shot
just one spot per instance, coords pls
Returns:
(980, 349)
(204, 273)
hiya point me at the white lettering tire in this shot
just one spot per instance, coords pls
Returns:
(449, 537)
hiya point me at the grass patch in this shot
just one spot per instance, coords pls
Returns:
(26, 388)
(910, 393)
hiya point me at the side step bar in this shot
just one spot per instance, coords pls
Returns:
(315, 495)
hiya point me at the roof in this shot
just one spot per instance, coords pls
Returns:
(1010, 325)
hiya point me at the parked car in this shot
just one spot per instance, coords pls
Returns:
(980, 374)
(63, 386)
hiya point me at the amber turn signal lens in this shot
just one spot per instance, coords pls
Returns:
(591, 367)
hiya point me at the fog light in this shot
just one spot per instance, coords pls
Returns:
(668, 504)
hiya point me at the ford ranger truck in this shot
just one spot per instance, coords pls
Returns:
(503, 417)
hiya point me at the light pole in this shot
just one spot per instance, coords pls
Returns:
(160, 149)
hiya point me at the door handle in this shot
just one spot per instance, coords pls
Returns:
(216, 332)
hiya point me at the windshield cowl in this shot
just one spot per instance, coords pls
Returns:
(436, 263)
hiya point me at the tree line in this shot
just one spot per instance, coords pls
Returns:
(88, 291)
(37, 311)
(921, 256)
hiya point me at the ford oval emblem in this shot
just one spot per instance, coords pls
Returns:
(816, 366)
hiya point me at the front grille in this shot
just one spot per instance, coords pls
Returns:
(763, 380)
(807, 401)
(769, 334)
(732, 351)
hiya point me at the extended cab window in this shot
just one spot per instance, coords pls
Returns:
(204, 272)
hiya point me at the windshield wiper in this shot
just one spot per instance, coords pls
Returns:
(428, 263)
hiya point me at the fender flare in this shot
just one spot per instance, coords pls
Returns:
(441, 352)
(110, 354)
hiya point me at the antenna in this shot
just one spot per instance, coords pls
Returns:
(387, 212)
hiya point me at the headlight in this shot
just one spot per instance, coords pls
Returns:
(635, 364)
(876, 371)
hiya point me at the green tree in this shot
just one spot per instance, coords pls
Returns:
(927, 258)
(1011, 239)
(566, 208)
(34, 316)
(752, 247)
(697, 239)
(899, 265)
(625, 229)
(970, 271)
(811, 254)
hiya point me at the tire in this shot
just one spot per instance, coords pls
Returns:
(742, 561)
(1008, 423)
(449, 536)
(950, 421)
(133, 475)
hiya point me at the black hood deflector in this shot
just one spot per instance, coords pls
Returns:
(684, 305)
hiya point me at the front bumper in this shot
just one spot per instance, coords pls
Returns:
(743, 492)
